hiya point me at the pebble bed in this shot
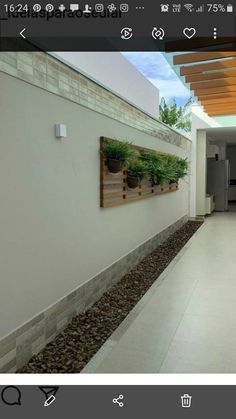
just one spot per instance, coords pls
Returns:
(71, 350)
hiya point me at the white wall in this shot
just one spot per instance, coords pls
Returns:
(218, 148)
(201, 172)
(211, 150)
(231, 156)
(111, 69)
(200, 121)
(222, 150)
(53, 234)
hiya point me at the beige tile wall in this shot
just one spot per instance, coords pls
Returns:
(46, 72)
(17, 348)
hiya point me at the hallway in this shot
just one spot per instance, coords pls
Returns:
(186, 323)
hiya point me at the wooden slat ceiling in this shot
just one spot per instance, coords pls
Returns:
(212, 78)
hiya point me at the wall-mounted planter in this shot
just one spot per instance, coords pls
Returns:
(114, 166)
(133, 182)
(117, 189)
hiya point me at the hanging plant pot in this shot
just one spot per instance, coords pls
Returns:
(133, 181)
(114, 166)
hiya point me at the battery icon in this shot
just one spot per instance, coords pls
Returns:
(230, 8)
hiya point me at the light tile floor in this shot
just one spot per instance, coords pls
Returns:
(186, 323)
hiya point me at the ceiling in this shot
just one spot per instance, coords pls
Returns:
(226, 135)
(211, 77)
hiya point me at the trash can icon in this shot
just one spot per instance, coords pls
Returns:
(186, 400)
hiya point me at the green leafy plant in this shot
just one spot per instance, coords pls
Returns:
(164, 167)
(160, 168)
(175, 116)
(170, 168)
(181, 168)
(156, 167)
(138, 168)
(118, 150)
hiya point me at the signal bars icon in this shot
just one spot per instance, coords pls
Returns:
(200, 9)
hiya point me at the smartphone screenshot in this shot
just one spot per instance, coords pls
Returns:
(117, 209)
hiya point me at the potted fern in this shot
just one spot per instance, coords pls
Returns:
(117, 153)
(137, 170)
(181, 168)
(170, 166)
(156, 167)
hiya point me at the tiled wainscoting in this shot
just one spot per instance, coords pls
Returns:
(18, 347)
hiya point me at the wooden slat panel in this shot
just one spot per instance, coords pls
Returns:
(201, 56)
(112, 177)
(217, 96)
(221, 107)
(140, 198)
(218, 65)
(110, 196)
(230, 81)
(114, 194)
(224, 89)
(210, 76)
(125, 201)
(219, 101)
(113, 185)
(222, 112)
(126, 192)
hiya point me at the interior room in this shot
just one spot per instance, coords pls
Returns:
(221, 170)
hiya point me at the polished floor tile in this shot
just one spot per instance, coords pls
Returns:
(186, 357)
(143, 347)
(130, 362)
(187, 322)
(215, 330)
(212, 301)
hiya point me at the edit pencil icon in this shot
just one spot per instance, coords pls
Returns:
(49, 401)
(49, 393)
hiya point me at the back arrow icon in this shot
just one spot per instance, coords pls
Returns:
(21, 33)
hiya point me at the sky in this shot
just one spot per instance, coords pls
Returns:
(156, 69)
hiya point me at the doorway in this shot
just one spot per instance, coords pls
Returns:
(216, 170)
(231, 157)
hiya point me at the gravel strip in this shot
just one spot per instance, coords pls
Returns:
(70, 351)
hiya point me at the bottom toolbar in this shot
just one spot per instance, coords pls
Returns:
(117, 401)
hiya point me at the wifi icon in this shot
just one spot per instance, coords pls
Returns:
(189, 7)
